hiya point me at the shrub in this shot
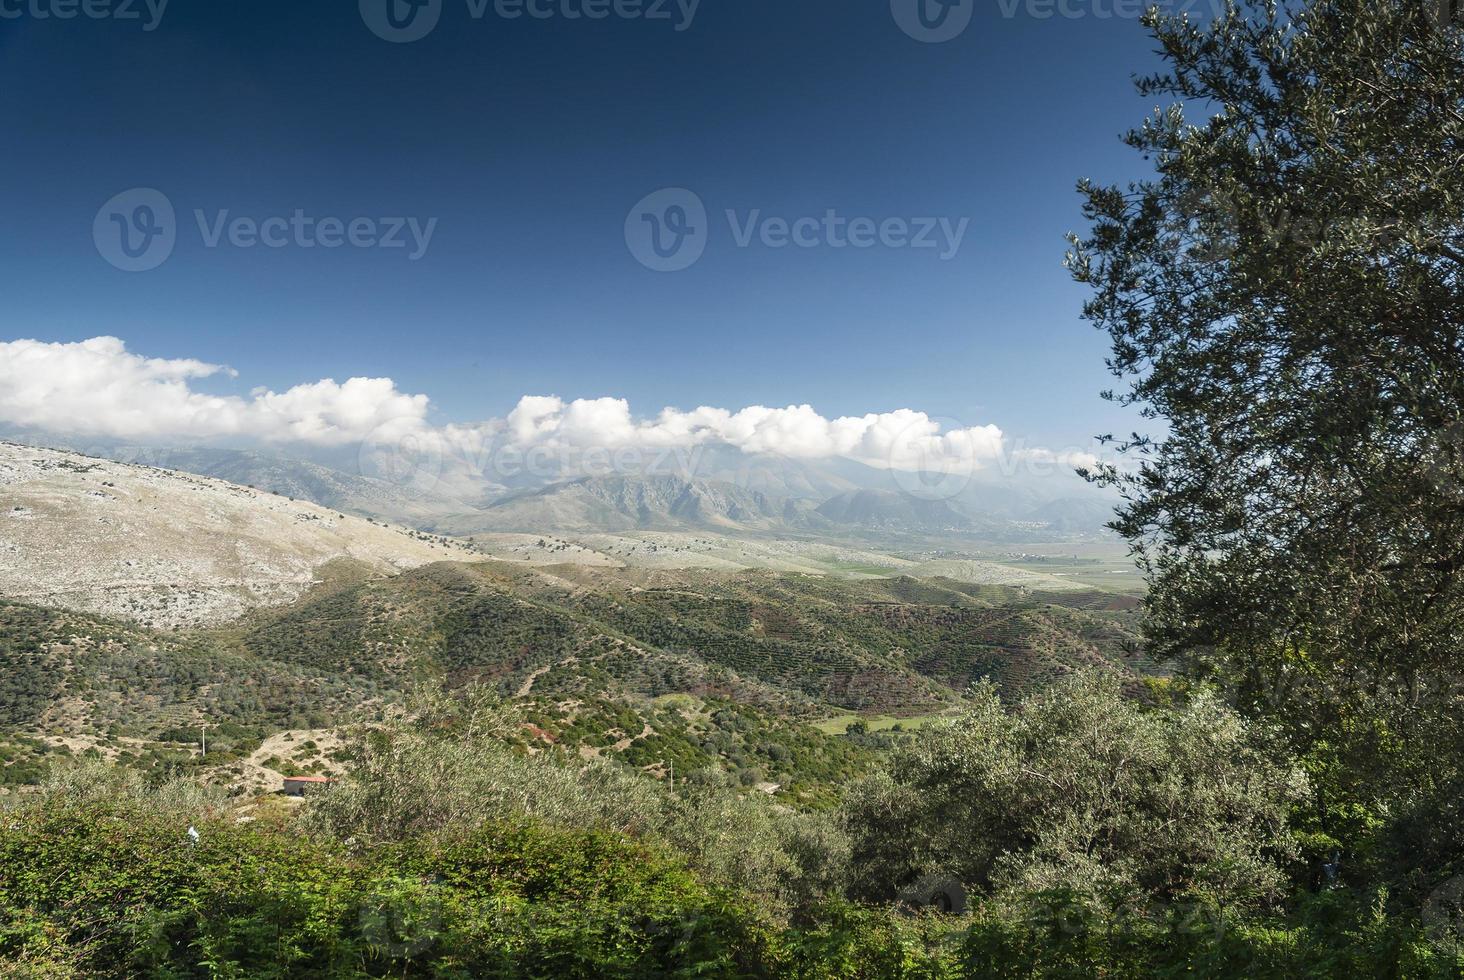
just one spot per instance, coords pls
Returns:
(446, 770)
(1084, 790)
(119, 890)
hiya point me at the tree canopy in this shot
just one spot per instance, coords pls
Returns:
(1085, 790)
(1284, 302)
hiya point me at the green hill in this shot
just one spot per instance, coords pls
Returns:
(662, 670)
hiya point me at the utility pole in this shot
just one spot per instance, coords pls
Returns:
(204, 730)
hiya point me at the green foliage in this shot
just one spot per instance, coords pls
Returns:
(795, 643)
(448, 768)
(1060, 935)
(136, 898)
(1083, 790)
(1296, 322)
(1285, 297)
(31, 679)
(689, 734)
(403, 871)
(758, 654)
(80, 674)
(99, 887)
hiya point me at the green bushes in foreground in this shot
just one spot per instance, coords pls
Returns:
(1093, 838)
(118, 889)
(110, 891)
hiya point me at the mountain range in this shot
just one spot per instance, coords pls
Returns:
(716, 489)
(138, 603)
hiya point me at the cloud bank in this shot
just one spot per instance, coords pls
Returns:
(904, 439)
(99, 388)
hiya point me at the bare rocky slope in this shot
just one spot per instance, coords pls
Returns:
(170, 549)
(620, 503)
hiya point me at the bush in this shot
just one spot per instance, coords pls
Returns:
(98, 877)
(118, 890)
(1060, 934)
(1082, 790)
(446, 770)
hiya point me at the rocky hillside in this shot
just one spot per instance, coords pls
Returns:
(620, 503)
(169, 549)
(887, 510)
(337, 489)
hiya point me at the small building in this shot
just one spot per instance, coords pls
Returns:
(300, 785)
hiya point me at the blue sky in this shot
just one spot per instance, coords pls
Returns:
(530, 141)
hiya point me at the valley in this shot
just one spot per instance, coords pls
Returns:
(751, 493)
(710, 489)
(786, 662)
(1100, 565)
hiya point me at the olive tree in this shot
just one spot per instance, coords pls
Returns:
(1284, 301)
(1080, 789)
(447, 766)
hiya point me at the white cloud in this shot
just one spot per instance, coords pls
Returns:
(99, 388)
(902, 439)
(1068, 459)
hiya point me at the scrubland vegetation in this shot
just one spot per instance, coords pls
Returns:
(1079, 835)
(1268, 786)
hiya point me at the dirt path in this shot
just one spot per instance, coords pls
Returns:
(528, 684)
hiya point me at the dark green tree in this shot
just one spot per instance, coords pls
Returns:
(1284, 301)
(1083, 790)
